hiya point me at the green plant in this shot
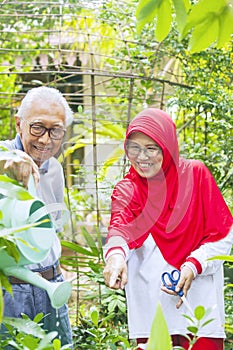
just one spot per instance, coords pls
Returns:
(102, 315)
(160, 338)
(208, 20)
(99, 331)
(27, 334)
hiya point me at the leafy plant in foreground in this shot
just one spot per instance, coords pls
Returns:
(26, 334)
(160, 338)
(99, 332)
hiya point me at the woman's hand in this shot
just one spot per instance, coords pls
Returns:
(185, 281)
(115, 272)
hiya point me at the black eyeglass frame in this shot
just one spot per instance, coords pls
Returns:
(49, 130)
(44, 130)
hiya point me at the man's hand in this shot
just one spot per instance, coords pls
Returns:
(18, 165)
(115, 272)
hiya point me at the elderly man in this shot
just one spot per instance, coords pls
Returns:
(41, 125)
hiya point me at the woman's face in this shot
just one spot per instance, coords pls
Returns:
(144, 154)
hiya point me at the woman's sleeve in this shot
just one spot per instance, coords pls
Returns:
(218, 227)
(123, 224)
(199, 257)
(116, 245)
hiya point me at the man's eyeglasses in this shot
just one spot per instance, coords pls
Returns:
(133, 150)
(38, 130)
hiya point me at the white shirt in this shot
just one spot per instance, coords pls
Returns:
(50, 190)
(143, 290)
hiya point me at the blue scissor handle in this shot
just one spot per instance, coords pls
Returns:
(170, 281)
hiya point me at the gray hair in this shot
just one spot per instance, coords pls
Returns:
(49, 94)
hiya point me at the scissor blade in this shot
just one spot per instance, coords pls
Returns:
(186, 303)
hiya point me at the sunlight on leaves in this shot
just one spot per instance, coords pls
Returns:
(181, 9)
(146, 11)
(164, 20)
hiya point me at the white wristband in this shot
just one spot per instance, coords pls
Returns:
(192, 267)
(114, 251)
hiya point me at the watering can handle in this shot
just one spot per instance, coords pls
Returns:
(31, 186)
(50, 208)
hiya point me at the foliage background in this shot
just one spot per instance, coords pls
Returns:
(108, 71)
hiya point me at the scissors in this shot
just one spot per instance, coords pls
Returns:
(170, 281)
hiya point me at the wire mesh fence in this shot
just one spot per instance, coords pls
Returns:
(91, 52)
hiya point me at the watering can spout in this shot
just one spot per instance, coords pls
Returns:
(58, 293)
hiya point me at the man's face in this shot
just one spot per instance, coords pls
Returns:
(41, 114)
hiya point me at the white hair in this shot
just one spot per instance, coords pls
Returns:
(48, 94)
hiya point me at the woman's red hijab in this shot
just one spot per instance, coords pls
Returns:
(181, 206)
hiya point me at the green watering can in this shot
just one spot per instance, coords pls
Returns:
(34, 243)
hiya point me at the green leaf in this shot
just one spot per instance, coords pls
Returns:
(201, 11)
(5, 284)
(25, 325)
(113, 158)
(225, 27)
(29, 342)
(164, 20)
(112, 305)
(199, 312)
(207, 322)
(77, 248)
(71, 150)
(121, 305)
(146, 12)
(202, 8)
(116, 132)
(38, 317)
(10, 248)
(181, 8)
(46, 341)
(192, 329)
(80, 109)
(106, 318)
(187, 4)
(159, 336)
(100, 243)
(204, 34)
(56, 344)
(90, 241)
(95, 317)
(188, 317)
(222, 257)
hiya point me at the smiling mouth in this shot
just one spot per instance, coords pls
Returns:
(42, 149)
(144, 165)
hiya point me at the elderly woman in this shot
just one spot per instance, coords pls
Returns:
(167, 213)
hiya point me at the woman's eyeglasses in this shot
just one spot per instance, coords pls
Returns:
(133, 149)
(38, 130)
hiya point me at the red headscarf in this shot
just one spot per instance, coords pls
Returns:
(181, 206)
